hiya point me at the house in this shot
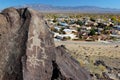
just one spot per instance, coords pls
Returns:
(55, 34)
(69, 31)
(63, 24)
(56, 27)
(65, 36)
(88, 28)
(116, 30)
(95, 24)
(117, 27)
(55, 39)
(71, 36)
(74, 25)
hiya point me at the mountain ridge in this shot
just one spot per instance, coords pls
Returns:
(75, 9)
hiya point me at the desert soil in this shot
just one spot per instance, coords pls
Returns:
(87, 53)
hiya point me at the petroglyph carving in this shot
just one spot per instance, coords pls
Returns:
(34, 61)
(36, 40)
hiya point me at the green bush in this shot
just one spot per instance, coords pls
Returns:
(92, 32)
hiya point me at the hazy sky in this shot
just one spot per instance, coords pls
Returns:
(99, 3)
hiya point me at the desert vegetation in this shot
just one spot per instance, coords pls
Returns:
(102, 60)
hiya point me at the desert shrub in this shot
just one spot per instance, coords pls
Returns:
(102, 68)
(66, 38)
(53, 29)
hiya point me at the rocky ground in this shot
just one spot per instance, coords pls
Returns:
(101, 59)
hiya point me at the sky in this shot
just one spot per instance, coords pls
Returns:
(98, 3)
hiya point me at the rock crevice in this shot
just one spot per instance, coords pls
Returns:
(56, 74)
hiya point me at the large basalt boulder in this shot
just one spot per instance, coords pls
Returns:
(27, 50)
(68, 67)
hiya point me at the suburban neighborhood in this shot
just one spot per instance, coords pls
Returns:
(85, 28)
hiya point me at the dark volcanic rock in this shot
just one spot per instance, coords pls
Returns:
(68, 67)
(27, 50)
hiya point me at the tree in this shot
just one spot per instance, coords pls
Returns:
(107, 30)
(54, 20)
(61, 30)
(79, 33)
(92, 32)
(92, 19)
(101, 25)
(79, 22)
(78, 29)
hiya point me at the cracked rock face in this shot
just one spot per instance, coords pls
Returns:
(27, 50)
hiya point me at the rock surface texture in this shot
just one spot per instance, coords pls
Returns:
(27, 50)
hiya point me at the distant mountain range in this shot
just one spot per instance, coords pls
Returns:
(78, 9)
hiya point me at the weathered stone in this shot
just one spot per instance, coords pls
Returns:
(27, 50)
(69, 68)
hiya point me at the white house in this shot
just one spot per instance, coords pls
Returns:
(56, 34)
(72, 36)
(56, 27)
(62, 36)
(69, 31)
(88, 28)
